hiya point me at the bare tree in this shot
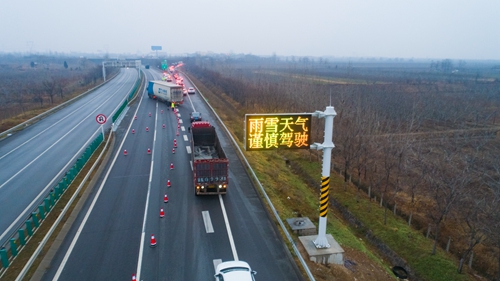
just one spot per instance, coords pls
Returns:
(49, 86)
(446, 186)
(471, 225)
(492, 226)
(37, 92)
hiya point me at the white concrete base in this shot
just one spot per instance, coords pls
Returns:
(332, 255)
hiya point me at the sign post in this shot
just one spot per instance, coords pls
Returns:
(292, 131)
(321, 241)
(101, 119)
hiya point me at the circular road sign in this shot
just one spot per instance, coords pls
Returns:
(101, 118)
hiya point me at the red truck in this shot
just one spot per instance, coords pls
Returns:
(210, 164)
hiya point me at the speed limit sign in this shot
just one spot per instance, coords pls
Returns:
(101, 118)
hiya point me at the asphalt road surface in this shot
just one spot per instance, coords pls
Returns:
(110, 239)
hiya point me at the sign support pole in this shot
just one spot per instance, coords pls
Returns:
(321, 241)
(103, 72)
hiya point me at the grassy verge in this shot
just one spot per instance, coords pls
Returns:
(409, 243)
(294, 196)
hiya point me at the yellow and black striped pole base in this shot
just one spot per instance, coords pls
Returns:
(323, 201)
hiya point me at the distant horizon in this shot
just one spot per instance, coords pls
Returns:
(152, 55)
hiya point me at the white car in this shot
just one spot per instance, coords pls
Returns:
(234, 271)
(191, 90)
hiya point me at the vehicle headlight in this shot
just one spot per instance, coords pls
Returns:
(220, 185)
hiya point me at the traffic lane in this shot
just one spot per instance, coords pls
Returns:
(216, 244)
(10, 143)
(152, 74)
(256, 239)
(255, 235)
(24, 190)
(153, 258)
(82, 120)
(43, 169)
(113, 231)
(183, 241)
(191, 247)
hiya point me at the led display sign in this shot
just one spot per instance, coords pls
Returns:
(271, 131)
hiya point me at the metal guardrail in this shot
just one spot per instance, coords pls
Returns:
(18, 240)
(38, 250)
(129, 98)
(276, 215)
(142, 83)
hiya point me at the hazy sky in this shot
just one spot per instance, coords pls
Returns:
(456, 29)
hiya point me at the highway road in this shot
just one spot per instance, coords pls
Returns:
(33, 160)
(110, 240)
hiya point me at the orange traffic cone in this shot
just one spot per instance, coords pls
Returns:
(125, 152)
(163, 126)
(133, 277)
(135, 118)
(178, 125)
(175, 141)
(133, 131)
(147, 129)
(162, 213)
(149, 151)
(168, 183)
(153, 241)
(177, 132)
(165, 198)
(173, 150)
(171, 166)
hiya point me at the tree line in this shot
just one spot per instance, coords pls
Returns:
(28, 84)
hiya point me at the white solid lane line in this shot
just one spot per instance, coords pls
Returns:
(228, 228)
(207, 221)
(22, 215)
(45, 151)
(146, 207)
(82, 225)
